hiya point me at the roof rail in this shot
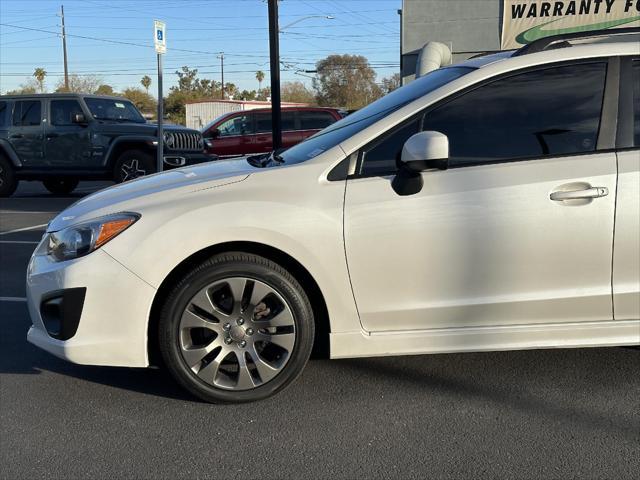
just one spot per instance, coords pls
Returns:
(543, 43)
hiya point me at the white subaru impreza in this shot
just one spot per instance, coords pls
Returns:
(488, 205)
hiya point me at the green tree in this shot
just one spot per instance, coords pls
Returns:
(346, 81)
(296, 92)
(40, 74)
(141, 99)
(247, 95)
(190, 88)
(260, 78)
(146, 82)
(104, 89)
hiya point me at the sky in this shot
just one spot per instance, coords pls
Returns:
(114, 38)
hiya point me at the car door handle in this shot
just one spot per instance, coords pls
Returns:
(593, 192)
(16, 135)
(52, 135)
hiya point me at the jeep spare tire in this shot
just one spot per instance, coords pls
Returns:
(133, 164)
(61, 186)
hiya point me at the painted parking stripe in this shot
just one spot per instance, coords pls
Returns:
(13, 299)
(7, 212)
(25, 229)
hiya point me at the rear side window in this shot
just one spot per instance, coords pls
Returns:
(315, 120)
(3, 114)
(553, 111)
(263, 122)
(636, 102)
(27, 113)
(62, 111)
(288, 121)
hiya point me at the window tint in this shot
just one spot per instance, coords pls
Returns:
(554, 111)
(62, 111)
(240, 125)
(380, 158)
(27, 113)
(636, 103)
(288, 121)
(315, 120)
(263, 122)
(3, 114)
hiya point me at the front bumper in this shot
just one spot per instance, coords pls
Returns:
(112, 329)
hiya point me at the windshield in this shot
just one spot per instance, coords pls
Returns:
(114, 110)
(361, 119)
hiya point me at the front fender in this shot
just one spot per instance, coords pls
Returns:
(147, 139)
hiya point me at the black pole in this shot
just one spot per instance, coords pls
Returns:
(64, 50)
(274, 53)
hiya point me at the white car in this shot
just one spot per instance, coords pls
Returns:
(489, 205)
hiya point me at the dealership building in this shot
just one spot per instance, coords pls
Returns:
(470, 27)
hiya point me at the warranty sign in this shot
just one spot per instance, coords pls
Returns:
(527, 20)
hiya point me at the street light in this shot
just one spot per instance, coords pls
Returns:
(327, 17)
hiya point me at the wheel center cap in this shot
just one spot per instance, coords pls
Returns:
(237, 333)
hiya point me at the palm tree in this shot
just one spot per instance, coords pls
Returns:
(259, 77)
(40, 73)
(146, 82)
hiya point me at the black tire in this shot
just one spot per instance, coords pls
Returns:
(133, 164)
(61, 185)
(216, 269)
(8, 181)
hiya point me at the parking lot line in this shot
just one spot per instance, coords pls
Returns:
(13, 299)
(24, 229)
(6, 212)
(19, 242)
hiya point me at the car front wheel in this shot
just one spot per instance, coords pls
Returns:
(237, 328)
(131, 165)
(8, 181)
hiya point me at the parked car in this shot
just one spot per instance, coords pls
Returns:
(473, 209)
(61, 139)
(249, 132)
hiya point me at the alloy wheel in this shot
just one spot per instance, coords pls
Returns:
(237, 333)
(131, 170)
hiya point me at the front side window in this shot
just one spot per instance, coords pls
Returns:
(63, 111)
(636, 102)
(238, 125)
(3, 114)
(114, 110)
(27, 113)
(552, 111)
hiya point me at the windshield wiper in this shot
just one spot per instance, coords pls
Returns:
(265, 159)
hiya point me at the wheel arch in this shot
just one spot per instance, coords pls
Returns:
(6, 150)
(301, 274)
(123, 144)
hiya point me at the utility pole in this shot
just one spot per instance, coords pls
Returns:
(221, 57)
(274, 54)
(64, 50)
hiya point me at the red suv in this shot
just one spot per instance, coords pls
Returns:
(249, 131)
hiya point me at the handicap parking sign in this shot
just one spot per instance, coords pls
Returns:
(159, 39)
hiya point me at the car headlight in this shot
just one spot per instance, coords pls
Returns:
(82, 239)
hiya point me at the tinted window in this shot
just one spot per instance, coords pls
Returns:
(263, 122)
(554, 111)
(3, 114)
(381, 156)
(238, 125)
(636, 103)
(27, 113)
(288, 121)
(315, 120)
(62, 111)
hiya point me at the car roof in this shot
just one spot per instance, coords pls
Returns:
(19, 96)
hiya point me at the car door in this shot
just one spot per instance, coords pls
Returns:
(290, 133)
(234, 136)
(485, 243)
(626, 257)
(261, 141)
(26, 131)
(67, 144)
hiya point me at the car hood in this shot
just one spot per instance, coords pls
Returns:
(160, 187)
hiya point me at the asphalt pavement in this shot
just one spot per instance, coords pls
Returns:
(528, 414)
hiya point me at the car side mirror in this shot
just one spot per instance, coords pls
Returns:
(421, 152)
(79, 118)
(213, 133)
